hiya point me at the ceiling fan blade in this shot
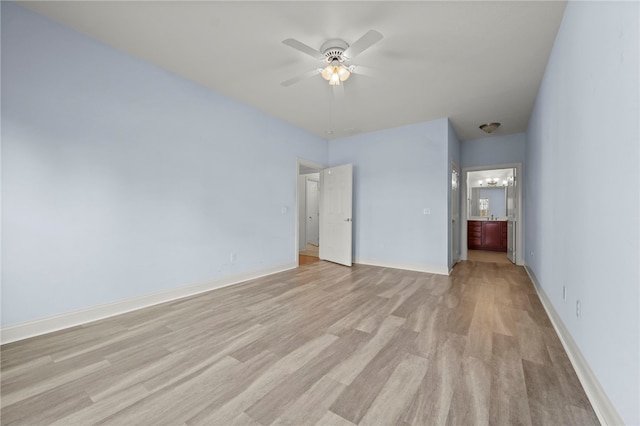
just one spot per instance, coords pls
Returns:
(338, 92)
(301, 77)
(298, 45)
(362, 70)
(362, 44)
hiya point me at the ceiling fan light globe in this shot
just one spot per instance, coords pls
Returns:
(327, 72)
(335, 80)
(343, 73)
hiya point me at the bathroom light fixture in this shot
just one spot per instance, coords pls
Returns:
(492, 181)
(489, 127)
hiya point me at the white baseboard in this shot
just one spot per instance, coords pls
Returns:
(70, 319)
(440, 270)
(606, 412)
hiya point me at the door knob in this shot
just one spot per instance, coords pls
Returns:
(348, 219)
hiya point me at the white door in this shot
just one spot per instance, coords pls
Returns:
(455, 214)
(512, 201)
(336, 185)
(313, 212)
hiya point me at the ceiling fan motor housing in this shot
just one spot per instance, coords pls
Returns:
(333, 49)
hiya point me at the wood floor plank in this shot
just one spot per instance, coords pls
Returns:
(234, 385)
(503, 320)
(509, 403)
(421, 314)
(411, 303)
(431, 403)
(355, 317)
(45, 407)
(461, 316)
(191, 360)
(481, 328)
(320, 344)
(104, 408)
(17, 353)
(358, 396)
(371, 322)
(276, 401)
(164, 408)
(332, 419)
(266, 382)
(546, 402)
(470, 402)
(432, 331)
(312, 405)
(396, 392)
(348, 370)
(15, 393)
(531, 339)
(16, 371)
(572, 389)
(538, 313)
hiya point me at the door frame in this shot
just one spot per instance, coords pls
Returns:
(519, 213)
(318, 168)
(455, 257)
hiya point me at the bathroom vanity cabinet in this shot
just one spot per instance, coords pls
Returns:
(487, 235)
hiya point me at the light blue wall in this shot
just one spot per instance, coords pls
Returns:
(121, 179)
(583, 184)
(397, 174)
(493, 150)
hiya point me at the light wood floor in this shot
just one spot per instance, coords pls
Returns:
(487, 256)
(321, 344)
(303, 260)
(311, 250)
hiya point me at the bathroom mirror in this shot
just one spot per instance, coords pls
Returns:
(486, 201)
(487, 193)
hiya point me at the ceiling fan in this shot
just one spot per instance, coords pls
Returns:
(334, 53)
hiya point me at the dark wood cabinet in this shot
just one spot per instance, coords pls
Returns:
(474, 234)
(487, 235)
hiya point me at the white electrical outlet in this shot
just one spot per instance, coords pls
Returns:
(564, 292)
(578, 309)
(426, 211)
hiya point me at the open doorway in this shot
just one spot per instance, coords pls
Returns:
(309, 245)
(324, 223)
(308, 226)
(492, 223)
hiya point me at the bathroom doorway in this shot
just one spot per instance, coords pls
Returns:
(491, 217)
(308, 213)
(310, 236)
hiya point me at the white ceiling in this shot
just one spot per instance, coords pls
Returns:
(474, 62)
